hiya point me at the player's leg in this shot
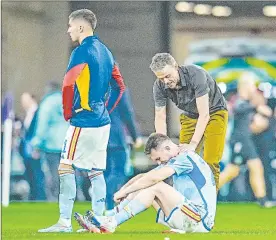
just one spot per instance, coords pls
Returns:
(166, 194)
(95, 159)
(229, 173)
(121, 205)
(67, 192)
(257, 182)
(98, 191)
(256, 178)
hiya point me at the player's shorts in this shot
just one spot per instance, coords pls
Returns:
(185, 217)
(243, 150)
(85, 148)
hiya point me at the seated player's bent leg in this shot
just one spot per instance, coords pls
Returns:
(121, 205)
(168, 197)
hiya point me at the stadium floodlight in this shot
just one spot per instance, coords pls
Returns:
(221, 11)
(184, 7)
(269, 11)
(202, 9)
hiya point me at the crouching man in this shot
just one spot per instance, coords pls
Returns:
(187, 206)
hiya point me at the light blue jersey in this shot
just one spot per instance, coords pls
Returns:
(194, 179)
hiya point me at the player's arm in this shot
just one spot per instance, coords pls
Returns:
(117, 89)
(74, 69)
(131, 181)
(264, 110)
(202, 104)
(147, 180)
(181, 164)
(160, 99)
(134, 179)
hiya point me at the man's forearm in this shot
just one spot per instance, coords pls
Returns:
(131, 181)
(161, 126)
(200, 129)
(142, 183)
(160, 120)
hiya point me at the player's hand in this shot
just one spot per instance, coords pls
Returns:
(187, 147)
(119, 196)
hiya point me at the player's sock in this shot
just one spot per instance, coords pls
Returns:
(130, 210)
(67, 197)
(118, 208)
(98, 187)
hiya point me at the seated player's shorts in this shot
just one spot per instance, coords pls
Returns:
(85, 148)
(185, 217)
(243, 150)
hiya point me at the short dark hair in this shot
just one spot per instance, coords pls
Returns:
(154, 141)
(161, 60)
(86, 15)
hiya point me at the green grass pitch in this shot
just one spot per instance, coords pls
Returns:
(234, 221)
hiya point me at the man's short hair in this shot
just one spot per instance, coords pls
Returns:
(160, 60)
(86, 15)
(154, 141)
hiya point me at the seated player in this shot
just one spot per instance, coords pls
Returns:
(187, 206)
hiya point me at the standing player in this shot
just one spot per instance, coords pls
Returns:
(90, 72)
(188, 206)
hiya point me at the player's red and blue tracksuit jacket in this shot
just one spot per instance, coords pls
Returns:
(92, 76)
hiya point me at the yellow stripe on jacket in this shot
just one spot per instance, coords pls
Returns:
(83, 85)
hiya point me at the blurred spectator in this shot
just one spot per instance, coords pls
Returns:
(242, 145)
(33, 171)
(122, 123)
(50, 133)
(264, 139)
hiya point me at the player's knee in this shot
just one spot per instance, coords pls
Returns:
(158, 187)
(65, 169)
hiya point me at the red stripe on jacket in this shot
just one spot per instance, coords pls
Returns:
(116, 75)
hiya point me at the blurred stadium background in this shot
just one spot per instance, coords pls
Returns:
(225, 37)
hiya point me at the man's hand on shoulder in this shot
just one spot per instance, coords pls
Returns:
(187, 147)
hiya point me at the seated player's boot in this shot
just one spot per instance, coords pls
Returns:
(173, 231)
(106, 224)
(82, 230)
(86, 225)
(58, 227)
(111, 212)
